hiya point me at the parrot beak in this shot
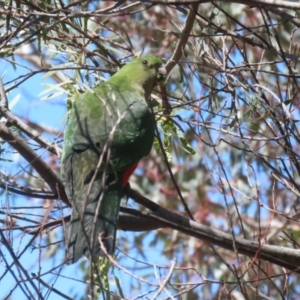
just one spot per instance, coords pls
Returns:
(162, 72)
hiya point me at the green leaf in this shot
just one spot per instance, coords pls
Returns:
(184, 143)
(119, 287)
(104, 265)
(186, 146)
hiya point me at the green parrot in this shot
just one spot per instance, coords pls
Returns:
(110, 129)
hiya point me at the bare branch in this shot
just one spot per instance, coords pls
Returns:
(283, 256)
(277, 3)
(185, 33)
(37, 163)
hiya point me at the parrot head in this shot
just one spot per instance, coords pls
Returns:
(144, 72)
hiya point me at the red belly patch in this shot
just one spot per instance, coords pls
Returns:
(128, 173)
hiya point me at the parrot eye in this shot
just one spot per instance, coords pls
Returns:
(145, 62)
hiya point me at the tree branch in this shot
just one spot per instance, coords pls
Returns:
(35, 161)
(282, 256)
(189, 23)
(277, 3)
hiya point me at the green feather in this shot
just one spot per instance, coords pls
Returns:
(109, 130)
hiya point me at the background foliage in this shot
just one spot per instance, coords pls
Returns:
(226, 154)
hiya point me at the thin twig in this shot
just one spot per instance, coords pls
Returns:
(35, 161)
(166, 280)
(50, 288)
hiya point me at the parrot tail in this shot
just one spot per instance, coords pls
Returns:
(99, 217)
